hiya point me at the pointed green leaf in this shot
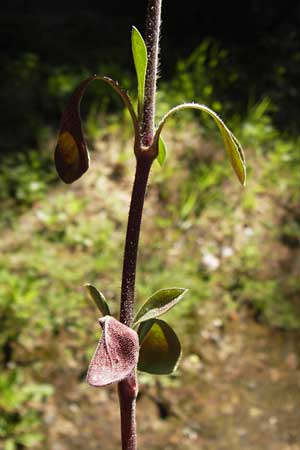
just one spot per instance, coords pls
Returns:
(98, 298)
(162, 151)
(159, 303)
(233, 147)
(139, 52)
(160, 349)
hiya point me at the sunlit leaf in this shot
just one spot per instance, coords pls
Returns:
(159, 303)
(139, 52)
(71, 152)
(160, 349)
(162, 151)
(233, 147)
(98, 298)
(116, 355)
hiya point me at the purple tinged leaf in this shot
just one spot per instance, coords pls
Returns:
(71, 153)
(160, 348)
(116, 355)
(159, 303)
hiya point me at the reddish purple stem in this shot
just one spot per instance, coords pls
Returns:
(128, 388)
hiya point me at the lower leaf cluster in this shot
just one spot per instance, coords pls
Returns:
(154, 348)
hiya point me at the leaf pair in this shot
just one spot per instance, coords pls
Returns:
(71, 153)
(232, 146)
(156, 305)
(118, 351)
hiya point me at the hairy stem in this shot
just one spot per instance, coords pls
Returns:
(128, 388)
(132, 238)
(127, 394)
(152, 44)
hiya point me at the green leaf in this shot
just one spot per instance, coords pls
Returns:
(162, 151)
(139, 52)
(98, 298)
(160, 349)
(159, 303)
(233, 147)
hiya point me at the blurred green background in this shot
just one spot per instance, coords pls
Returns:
(237, 250)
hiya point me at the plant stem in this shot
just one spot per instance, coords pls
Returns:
(144, 162)
(132, 238)
(152, 44)
(128, 388)
(127, 394)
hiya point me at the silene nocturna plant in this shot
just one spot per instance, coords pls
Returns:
(134, 341)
